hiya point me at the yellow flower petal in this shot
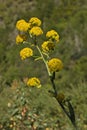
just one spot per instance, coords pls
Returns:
(55, 65)
(53, 35)
(34, 82)
(48, 46)
(22, 25)
(26, 52)
(20, 39)
(34, 21)
(36, 31)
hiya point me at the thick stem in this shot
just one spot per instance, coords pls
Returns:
(61, 105)
(52, 77)
(53, 85)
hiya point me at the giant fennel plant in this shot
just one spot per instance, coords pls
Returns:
(32, 30)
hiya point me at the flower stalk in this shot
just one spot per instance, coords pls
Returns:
(70, 114)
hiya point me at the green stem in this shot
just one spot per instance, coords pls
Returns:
(43, 60)
(52, 77)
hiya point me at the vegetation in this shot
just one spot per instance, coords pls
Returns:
(69, 19)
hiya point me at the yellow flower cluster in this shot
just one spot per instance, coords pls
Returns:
(34, 82)
(55, 65)
(35, 21)
(22, 25)
(32, 26)
(52, 35)
(48, 46)
(20, 39)
(25, 53)
(36, 31)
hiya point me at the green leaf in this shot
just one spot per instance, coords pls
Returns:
(72, 113)
(15, 112)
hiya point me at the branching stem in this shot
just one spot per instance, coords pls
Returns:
(52, 78)
(43, 60)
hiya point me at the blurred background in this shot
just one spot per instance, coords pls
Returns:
(69, 19)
